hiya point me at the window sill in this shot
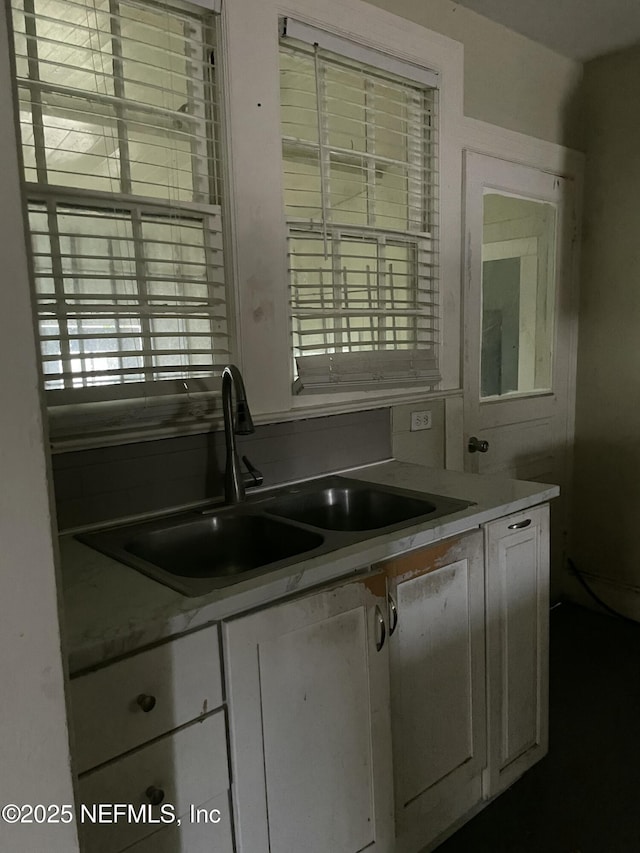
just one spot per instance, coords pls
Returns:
(105, 424)
(516, 395)
(90, 425)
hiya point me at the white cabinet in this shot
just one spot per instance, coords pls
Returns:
(423, 681)
(184, 768)
(517, 585)
(147, 735)
(129, 702)
(437, 686)
(308, 698)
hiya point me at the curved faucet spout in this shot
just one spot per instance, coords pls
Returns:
(231, 376)
(242, 424)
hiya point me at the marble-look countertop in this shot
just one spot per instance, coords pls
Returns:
(111, 609)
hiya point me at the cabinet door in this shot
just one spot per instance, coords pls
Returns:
(308, 697)
(437, 686)
(517, 644)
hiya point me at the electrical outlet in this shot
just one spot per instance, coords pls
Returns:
(420, 420)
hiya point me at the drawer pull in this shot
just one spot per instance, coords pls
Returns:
(147, 703)
(154, 795)
(519, 524)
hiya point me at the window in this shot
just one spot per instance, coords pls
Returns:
(518, 284)
(120, 133)
(359, 137)
(137, 118)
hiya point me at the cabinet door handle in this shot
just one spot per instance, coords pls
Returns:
(383, 629)
(519, 524)
(393, 614)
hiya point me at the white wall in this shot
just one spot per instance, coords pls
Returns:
(607, 466)
(34, 748)
(509, 80)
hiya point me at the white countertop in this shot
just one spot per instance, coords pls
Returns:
(111, 609)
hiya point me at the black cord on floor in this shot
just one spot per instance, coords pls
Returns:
(573, 568)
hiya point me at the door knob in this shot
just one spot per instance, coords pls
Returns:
(477, 444)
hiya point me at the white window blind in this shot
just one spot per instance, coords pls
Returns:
(120, 124)
(361, 200)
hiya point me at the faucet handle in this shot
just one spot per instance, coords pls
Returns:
(256, 476)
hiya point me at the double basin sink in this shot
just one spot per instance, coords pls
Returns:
(198, 552)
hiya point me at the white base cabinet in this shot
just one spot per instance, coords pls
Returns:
(437, 686)
(147, 734)
(457, 691)
(423, 681)
(517, 585)
(308, 695)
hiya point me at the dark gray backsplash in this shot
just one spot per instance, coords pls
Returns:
(113, 482)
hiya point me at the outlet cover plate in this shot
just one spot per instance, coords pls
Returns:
(420, 420)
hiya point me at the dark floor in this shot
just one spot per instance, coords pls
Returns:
(584, 797)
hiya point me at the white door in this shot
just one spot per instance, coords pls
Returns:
(520, 325)
(309, 720)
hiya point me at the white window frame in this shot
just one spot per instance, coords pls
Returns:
(327, 367)
(252, 57)
(256, 250)
(118, 413)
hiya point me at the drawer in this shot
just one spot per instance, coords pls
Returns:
(180, 680)
(189, 767)
(193, 836)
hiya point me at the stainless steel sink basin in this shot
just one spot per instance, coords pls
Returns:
(351, 506)
(222, 545)
(196, 552)
(337, 503)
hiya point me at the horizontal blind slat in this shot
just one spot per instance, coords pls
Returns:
(93, 99)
